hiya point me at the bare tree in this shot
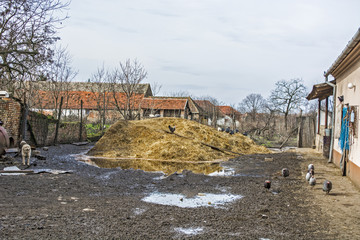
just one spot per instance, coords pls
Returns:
(252, 104)
(210, 108)
(60, 74)
(234, 115)
(100, 90)
(28, 30)
(179, 94)
(288, 96)
(128, 78)
(155, 88)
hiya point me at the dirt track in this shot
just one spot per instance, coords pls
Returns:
(94, 203)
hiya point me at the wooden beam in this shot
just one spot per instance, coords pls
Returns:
(319, 113)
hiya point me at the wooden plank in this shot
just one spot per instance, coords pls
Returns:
(16, 171)
(80, 143)
(208, 145)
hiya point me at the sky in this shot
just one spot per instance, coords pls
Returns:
(226, 49)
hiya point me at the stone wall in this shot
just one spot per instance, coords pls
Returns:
(68, 133)
(39, 128)
(43, 129)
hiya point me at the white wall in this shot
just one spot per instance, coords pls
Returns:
(351, 97)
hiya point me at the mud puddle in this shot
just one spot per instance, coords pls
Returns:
(189, 231)
(199, 200)
(167, 167)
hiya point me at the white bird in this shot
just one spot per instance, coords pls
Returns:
(311, 166)
(312, 181)
(327, 186)
(309, 174)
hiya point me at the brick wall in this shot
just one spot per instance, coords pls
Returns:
(10, 114)
(40, 131)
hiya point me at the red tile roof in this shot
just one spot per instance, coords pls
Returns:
(163, 103)
(90, 100)
(204, 104)
(227, 110)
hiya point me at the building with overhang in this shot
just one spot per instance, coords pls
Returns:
(343, 137)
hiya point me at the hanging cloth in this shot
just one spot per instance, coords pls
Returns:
(344, 134)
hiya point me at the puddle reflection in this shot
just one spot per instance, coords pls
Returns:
(200, 200)
(168, 167)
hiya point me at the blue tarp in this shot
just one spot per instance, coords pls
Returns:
(344, 134)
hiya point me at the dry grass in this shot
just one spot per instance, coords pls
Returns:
(151, 139)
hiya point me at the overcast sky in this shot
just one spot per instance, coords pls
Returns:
(223, 48)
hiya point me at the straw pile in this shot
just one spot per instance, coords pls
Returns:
(151, 139)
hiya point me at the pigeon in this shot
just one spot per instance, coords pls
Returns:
(311, 166)
(267, 184)
(312, 181)
(309, 174)
(327, 186)
(172, 129)
(285, 172)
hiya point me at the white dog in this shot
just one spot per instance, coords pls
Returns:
(25, 152)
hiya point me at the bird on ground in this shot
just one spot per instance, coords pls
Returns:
(285, 172)
(227, 130)
(327, 186)
(311, 166)
(312, 181)
(309, 174)
(172, 129)
(267, 184)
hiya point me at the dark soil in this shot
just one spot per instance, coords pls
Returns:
(95, 203)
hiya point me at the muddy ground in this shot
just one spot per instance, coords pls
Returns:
(95, 203)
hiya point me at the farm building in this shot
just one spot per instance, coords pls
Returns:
(344, 141)
(98, 100)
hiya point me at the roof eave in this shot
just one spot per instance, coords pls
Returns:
(349, 47)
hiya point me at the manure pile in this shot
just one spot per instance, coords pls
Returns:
(151, 139)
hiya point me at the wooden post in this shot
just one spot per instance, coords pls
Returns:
(24, 121)
(326, 112)
(81, 117)
(300, 131)
(58, 122)
(319, 113)
(104, 114)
